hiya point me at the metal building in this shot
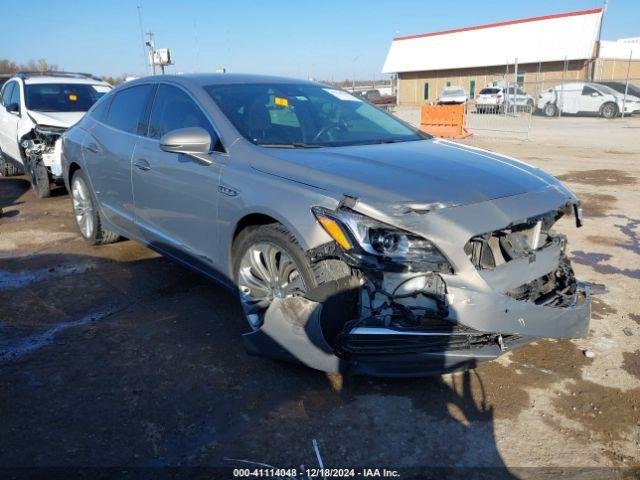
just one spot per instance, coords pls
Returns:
(529, 51)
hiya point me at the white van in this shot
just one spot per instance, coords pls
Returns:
(583, 97)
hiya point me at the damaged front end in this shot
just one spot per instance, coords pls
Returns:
(42, 146)
(418, 304)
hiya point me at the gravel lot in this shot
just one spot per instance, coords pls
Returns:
(114, 356)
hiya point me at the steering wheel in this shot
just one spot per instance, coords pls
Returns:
(325, 130)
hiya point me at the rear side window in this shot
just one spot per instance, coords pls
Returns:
(102, 107)
(128, 109)
(174, 109)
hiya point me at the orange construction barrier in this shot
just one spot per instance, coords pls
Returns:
(446, 121)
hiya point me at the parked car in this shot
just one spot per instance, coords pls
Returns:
(452, 96)
(498, 99)
(586, 98)
(622, 88)
(354, 241)
(375, 97)
(37, 109)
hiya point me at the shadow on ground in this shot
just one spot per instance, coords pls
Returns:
(110, 361)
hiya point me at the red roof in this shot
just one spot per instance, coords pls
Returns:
(502, 24)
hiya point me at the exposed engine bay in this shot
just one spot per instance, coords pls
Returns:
(42, 144)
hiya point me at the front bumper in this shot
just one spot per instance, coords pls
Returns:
(303, 330)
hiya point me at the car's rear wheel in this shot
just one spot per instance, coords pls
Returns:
(86, 212)
(269, 263)
(609, 110)
(550, 110)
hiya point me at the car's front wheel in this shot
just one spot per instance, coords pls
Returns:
(609, 110)
(86, 212)
(269, 263)
(39, 179)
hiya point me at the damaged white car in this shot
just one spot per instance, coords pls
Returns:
(355, 242)
(37, 108)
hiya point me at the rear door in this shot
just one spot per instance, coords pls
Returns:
(107, 151)
(176, 196)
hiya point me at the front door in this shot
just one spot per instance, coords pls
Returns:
(590, 100)
(9, 121)
(176, 196)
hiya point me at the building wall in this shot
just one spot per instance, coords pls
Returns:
(610, 69)
(533, 76)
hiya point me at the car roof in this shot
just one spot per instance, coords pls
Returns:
(66, 80)
(204, 79)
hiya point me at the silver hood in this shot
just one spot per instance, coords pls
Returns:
(425, 172)
(56, 119)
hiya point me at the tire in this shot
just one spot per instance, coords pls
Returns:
(302, 275)
(609, 110)
(550, 110)
(86, 212)
(8, 169)
(39, 177)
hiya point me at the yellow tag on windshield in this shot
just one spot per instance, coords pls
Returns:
(282, 102)
(73, 97)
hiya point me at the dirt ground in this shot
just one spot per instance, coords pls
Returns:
(114, 356)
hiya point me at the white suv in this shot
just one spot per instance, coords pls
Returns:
(499, 99)
(36, 109)
(583, 97)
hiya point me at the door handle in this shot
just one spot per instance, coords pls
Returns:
(92, 147)
(142, 164)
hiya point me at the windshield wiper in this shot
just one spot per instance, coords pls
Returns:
(288, 145)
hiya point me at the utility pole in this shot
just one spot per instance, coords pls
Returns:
(151, 48)
(597, 49)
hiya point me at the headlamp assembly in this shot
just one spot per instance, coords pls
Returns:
(360, 235)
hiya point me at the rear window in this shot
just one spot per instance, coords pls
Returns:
(489, 91)
(62, 97)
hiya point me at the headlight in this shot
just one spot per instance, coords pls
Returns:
(360, 235)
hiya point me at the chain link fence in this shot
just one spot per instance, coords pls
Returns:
(508, 103)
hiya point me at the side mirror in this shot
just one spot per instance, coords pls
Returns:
(193, 141)
(595, 94)
(13, 108)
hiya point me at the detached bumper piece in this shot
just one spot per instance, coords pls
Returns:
(447, 348)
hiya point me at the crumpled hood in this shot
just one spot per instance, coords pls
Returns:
(56, 119)
(424, 172)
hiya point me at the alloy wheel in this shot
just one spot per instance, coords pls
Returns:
(266, 272)
(82, 207)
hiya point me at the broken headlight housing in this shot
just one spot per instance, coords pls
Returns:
(363, 236)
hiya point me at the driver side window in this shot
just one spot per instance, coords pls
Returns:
(588, 91)
(6, 93)
(174, 109)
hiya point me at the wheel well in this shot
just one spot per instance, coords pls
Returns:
(252, 220)
(72, 169)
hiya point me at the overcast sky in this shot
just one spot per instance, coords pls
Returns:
(325, 39)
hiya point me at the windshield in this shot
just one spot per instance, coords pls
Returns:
(62, 97)
(489, 91)
(299, 116)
